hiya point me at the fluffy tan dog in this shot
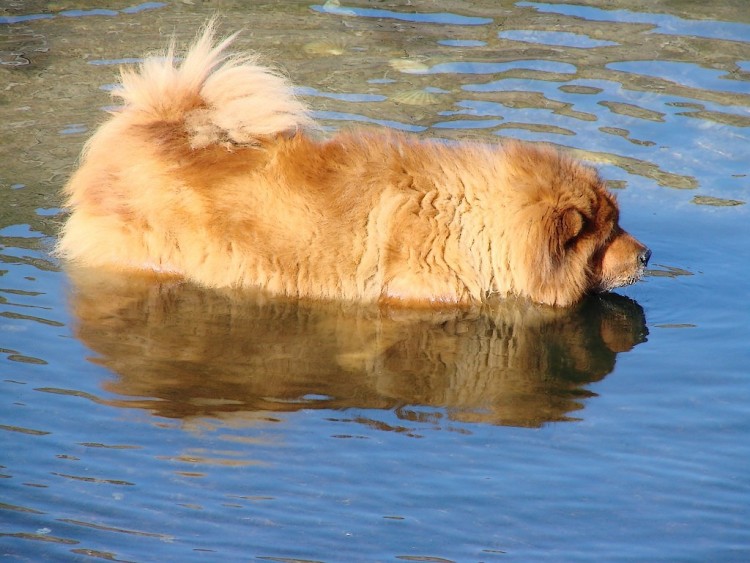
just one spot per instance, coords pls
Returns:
(207, 173)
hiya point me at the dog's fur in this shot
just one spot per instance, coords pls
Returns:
(208, 172)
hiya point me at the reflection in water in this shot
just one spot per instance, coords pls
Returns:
(661, 23)
(183, 351)
(334, 7)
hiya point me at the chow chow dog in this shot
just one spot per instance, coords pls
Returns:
(212, 171)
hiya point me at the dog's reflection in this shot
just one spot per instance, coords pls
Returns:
(183, 351)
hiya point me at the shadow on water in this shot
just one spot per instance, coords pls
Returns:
(181, 351)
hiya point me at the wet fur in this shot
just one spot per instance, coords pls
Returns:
(209, 172)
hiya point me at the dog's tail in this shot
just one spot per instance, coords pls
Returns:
(221, 98)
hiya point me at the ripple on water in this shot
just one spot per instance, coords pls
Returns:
(632, 110)
(558, 38)
(416, 97)
(337, 46)
(716, 201)
(81, 13)
(341, 96)
(409, 66)
(462, 43)
(579, 89)
(334, 7)
(481, 67)
(662, 23)
(116, 62)
(686, 74)
(467, 124)
(357, 118)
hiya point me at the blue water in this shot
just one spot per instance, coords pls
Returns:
(83, 13)
(667, 24)
(563, 38)
(468, 67)
(685, 74)
(146, 422)
(462, 43)
(409, 16)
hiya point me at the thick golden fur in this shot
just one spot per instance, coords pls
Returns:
(208, 173)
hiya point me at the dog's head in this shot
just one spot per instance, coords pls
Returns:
(569, 224)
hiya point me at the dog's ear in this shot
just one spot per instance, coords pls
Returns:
(568, 225)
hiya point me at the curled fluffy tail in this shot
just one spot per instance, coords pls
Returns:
(220, 97)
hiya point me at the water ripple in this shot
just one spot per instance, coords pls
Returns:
(83, 13)
(333, 7)
(480, 67)
(560, 38)
(687, 74)
(663, 23)
(344, 97)
(342, 116)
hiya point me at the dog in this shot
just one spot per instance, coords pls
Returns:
(212, 171)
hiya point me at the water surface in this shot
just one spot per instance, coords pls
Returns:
(146, 421)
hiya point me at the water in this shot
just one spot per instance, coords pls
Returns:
(148, 422)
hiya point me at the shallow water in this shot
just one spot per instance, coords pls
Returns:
(159, 422)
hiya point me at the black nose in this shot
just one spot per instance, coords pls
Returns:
(644, 256)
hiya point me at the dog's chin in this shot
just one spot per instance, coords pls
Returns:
(606, 285)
